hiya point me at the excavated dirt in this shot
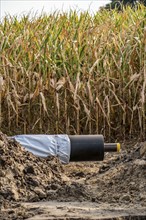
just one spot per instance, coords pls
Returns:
(35, 188)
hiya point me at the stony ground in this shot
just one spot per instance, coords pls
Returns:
(34, 188)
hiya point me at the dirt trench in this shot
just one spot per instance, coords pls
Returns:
(34, 188)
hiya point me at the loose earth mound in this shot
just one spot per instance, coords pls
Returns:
(25, 177)
(119, 180)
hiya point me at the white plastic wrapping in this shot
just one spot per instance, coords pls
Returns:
(46, 145)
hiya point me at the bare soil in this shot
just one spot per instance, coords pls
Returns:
(34, 188)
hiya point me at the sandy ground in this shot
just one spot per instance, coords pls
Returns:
(34, 188)
(83, 210)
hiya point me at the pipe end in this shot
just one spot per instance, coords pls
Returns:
(118, 147)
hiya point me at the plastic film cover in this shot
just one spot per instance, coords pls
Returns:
(46, 145)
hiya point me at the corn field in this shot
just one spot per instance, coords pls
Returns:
(74, 74)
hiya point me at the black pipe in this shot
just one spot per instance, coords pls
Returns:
(86, 147)
(111, 147)
(90, 147)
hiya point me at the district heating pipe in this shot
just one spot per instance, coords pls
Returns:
(67, 147)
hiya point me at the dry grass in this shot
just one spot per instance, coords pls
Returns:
(74, 74)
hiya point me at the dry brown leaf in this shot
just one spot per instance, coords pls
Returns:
(43, 102)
